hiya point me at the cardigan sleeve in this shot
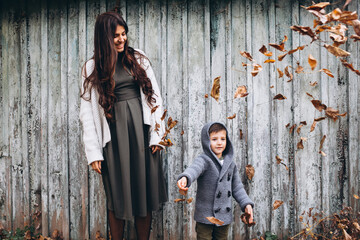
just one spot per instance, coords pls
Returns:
(93, 148)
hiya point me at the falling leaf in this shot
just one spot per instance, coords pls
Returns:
(313, 84)
(272, 86)
(279, 97)
(300, 144)
(247, 55)
(314, 123)
(318, 6)
(215, 220)
(350, 66)
(206, 95)
(346, 3)
(309, 95)
(327, 71)
(333, 113)
(164, 115)
(250, 171)
(166, 143)
(179, 200)
(336, 51)
(303, 123)
(304, 31)
(318, 105)
(292, 128)
(279, 47)
(312, 62)
(299, 128)
(322, 153)
(232, 117)
(264, 51)
(356, 225)
(215, 90)
(299, 69)
(157, 127)
(281, 57)
(296, 49)
(189, 200)
(322, 142)
(245, 64)
(278, 159)
(285, 39)
(183, 192)
(277, 204)
(154, 109)
(287, 125)
(241, 134)
(241, 91)
(182, 132)
(245, 217)
(288, 74)
(171, 123)
(281, 74)
(356, 196)
(301, 218)
(269, 61)
(256, 70)
(346, 235)
(355, 37)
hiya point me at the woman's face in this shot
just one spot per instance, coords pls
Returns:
(120, 38)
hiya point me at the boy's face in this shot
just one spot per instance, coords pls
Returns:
(218, 142)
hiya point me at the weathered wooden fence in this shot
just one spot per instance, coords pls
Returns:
(44, 178)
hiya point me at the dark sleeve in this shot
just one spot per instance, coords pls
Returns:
(193, 171)
(239, 192)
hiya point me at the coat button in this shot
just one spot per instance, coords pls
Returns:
(217, 210)
(229, 176)
(229, 194)
(218, 195)
(228, 209)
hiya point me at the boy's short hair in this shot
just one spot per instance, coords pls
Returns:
(216, 127)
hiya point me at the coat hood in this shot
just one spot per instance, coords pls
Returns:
(205, 141)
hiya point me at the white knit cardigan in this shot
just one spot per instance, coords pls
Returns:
(96, 131)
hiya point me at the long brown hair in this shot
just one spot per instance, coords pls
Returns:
(105, 57)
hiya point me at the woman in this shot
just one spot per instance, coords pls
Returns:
(121, 132)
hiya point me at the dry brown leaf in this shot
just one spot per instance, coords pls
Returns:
(287, 125)
(245, 217)
(312, 128)
(232, 117)
(245, 64)
(269, 61)
(264, 51)
(313, 84)
(166, 143)
(319, 119)
(281, 57)
(183, 192)
(250, 171)
(182, 132)
(241, 91)
(171, 124)
(215, 90)
(179, 200)
(355, 37)
(356, 196)
(333, 113)
(336, 51)
(98, 236)
(278, 159)
(241, 134)
(346, 3)
(154, 109)
(300, 144)
(312, 62)
(322, 142)
(327, 71)
(164, 115)
(206, 95)
(189, 200)
(315, 122)
(309, 95)
(347, 16)
(322, 153)
(247, 55)
(285, 39)
(279, 97)
(256, 70)
(296, 49)
(272, 86)
(157, 127)
(288, 74)
(303, 123)
(215, 220)
(356, 26)
(318, 105)
(350, 66)
(299, 69)
(281, 74)
(346, 235)
(292, 128)
(277, 204)
(299, 128)
(304, 31)
(318, 6)
(356, 225)
(279, 47)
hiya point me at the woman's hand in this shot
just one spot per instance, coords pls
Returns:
(249, 210)
(96, 166)
(182, 184)
(155, 149)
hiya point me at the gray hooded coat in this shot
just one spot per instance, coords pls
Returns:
(216, 183)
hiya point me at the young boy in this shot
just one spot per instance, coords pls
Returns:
(218, 179)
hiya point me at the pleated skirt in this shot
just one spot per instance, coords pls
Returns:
(132, 176)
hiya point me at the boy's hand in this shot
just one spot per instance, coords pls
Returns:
(182, 183)
(249, 210)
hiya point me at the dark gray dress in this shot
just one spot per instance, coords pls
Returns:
(132, 176)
